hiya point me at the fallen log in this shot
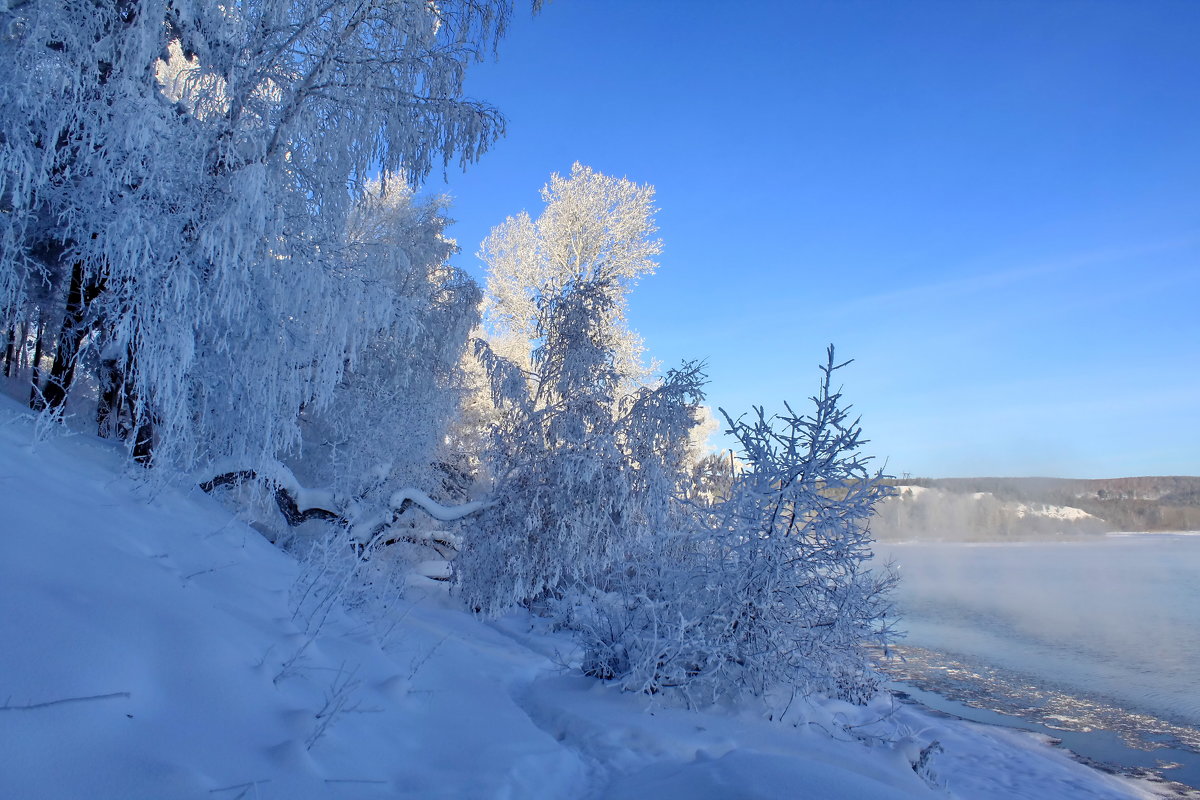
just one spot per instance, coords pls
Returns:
(286, 498)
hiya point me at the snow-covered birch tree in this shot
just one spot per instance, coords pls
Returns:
(387, 425)
(594, 229)
(194, 165)
(585, 459)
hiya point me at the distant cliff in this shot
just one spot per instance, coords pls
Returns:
(989, 509)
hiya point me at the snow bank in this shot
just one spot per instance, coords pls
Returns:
(175, 618)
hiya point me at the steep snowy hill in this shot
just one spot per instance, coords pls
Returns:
(1164, 503)
(150, 647)
(920, 513)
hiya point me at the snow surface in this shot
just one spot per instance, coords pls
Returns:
(148, 650)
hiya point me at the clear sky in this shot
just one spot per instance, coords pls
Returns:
(993, 206)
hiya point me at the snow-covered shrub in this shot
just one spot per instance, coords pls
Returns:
(769, 588)
(799, 546)
(656, 626)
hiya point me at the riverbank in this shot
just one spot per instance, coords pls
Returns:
(1164, 755)
(1092, 642)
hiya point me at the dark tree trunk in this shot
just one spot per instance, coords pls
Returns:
(35, 390)
(70, 339)
(143, 446)
(141, 418)
(110, 401)
(20, 351)
(10, 350)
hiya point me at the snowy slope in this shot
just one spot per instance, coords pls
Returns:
(148, 650)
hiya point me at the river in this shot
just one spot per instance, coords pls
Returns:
(1096, 642)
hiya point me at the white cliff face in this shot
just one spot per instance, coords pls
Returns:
(1052, 512)
(918, 512)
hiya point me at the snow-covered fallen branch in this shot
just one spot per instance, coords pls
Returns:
(402, 499)
(298, 505)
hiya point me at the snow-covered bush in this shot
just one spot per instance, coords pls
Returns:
(656, 625)
(799, 546)
(770, 588)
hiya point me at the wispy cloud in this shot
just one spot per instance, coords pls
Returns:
(974, 283)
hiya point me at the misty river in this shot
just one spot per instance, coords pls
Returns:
(1095, 642)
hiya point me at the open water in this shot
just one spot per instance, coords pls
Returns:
(1095, 642)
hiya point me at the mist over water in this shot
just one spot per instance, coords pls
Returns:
(1098, 637)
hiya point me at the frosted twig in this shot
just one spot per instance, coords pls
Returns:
(829, 732)
(210, 569)
(31, 706)
(355, 780)
(243, 786)
(288, 668)
(337, 702)
(419, 662)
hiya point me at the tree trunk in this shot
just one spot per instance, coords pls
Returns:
(35, 390)
(70, 340)
(22, 347)
(109, 402)
(143, 445)
(141, 418)
(10, 349)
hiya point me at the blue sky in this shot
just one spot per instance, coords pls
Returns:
(992, 206)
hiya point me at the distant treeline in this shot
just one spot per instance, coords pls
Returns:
(1170, 503)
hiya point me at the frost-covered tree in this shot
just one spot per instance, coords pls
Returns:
(387, 425)
(798, 548)
(580, 473)
(191, 168)
(594, 230)
(77, 131)
(585, 461)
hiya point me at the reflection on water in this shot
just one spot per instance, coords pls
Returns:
(1097, 641)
